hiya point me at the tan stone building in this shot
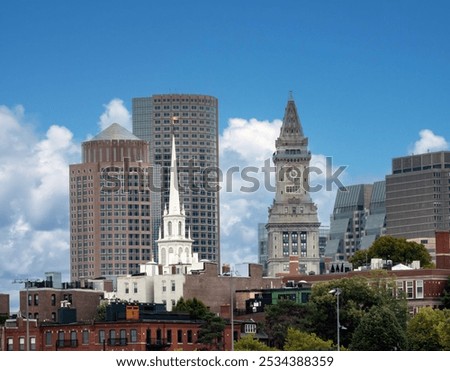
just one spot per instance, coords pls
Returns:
(293, 225)
(111, 206)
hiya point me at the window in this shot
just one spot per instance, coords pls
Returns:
(169, 336)
(60, 339)
(85, 337)
(399, 289)
(112, 337)
(419, 289)
(179, 336)
(73, 339)
(53, 300)
(10, 344)
(36, 299)
(21, 343)
(173, 285)
(189, 336)
(133, 335)
(123, 337)
(101, 336)
(409, 289)
(48, 338)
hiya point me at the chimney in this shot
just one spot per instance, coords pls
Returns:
(442, 249)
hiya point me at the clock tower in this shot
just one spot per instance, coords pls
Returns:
(293, 226)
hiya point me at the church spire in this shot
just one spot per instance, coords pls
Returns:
(174, 196)
(291, 121)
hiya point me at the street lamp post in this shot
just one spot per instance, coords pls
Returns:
(336, 292)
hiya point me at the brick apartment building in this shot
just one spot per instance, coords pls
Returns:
(166, 331)
(43, 303)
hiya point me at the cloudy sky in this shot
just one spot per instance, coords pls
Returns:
(371, 81)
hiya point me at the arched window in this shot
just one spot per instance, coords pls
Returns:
(169, 227)
(163, 256)
(179, 229)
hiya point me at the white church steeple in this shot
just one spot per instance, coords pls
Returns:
(173, 245)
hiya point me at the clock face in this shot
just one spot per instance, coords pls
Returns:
(294, 173)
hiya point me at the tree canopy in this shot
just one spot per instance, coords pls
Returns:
(300, 340)
(380, 330)
(319, 316)
(429, 330)
(211, 329)
(282, 316)
(194, 307)
(248, 342)
(399, 250)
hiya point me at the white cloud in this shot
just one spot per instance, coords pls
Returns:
(34, 180)
(429, 142)
(115, 112)
(251, 143)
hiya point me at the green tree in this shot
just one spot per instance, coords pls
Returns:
(101, 312)
(379, 330)
(280, 317)
(443, 329)
(194, 307)
(248, 342)
(211, 331)
(399, 250)
(358, 295)
(423, 330)
(446, 295)
(300, 340)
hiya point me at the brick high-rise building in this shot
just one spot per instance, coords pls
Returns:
(112, 206)
(194, 121)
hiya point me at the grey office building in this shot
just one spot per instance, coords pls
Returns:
(358, 219)
(418, 195)
(193, 119)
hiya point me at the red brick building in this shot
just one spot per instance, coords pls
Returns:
(128, 335)
(214, 290)
(43, 303)
(4, 305)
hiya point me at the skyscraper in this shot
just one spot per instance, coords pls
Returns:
(359, 217)
(112, 206)
(193, 120)
(293, 226)
(418, 195)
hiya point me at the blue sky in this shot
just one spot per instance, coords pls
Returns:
(371, 80)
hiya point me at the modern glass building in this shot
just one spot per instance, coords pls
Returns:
(193, 119)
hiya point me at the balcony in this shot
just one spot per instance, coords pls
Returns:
(157, 344)
(62, 343)
(117, 341)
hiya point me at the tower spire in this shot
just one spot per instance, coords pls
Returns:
(291, 122)
(174, 196)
